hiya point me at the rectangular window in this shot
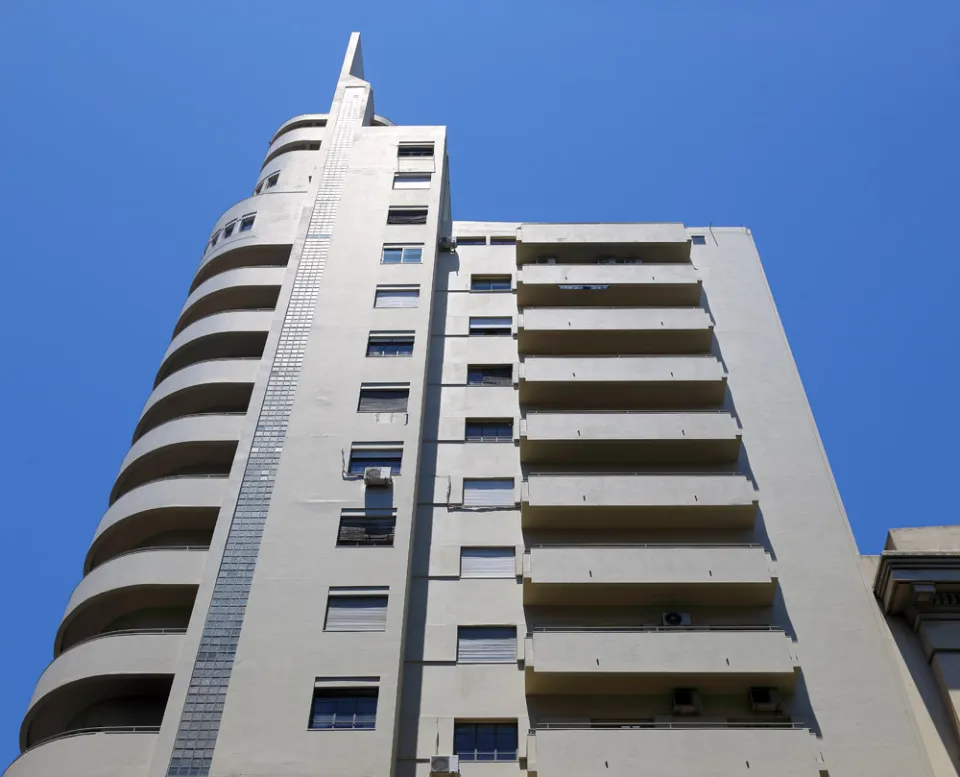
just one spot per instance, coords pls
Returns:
(490, 431)
(411, 181)
(488, 563)
(502, 240)
(487, 645)
(356, 613)
(490, 283)
(490, 492)
(272, 180)
(407, 216)
(394, 254)
(361, 458)
(367, 528)
(383, 400)
(228, 230)
(246, 223)
(699, 240)
(485, 741)
(215, 238)
(489, 375)
(491, 326)
(396, 297)
(415, 150)
(354, 708)
(390, 345)
(259, 188)
(471, 240)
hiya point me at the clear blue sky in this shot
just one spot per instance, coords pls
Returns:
(830, 128)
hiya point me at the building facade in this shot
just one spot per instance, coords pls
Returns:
(419, 496)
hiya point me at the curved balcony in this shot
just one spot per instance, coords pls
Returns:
(215, 386)
(241, 335)
(151, 586)
(203, 445)
(105, 751)
(172, 504)
(302, 120)
(116, 680)
(246, 288)
(294, 139)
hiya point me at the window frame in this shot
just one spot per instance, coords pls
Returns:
(227, 230)
(399, 291)
(372, 390)
(386, 459)
(471, 240)
(505, 423)
(490, 279)
(272, 180)
(335, 596)
(426, 178)
(478, 368)
(488, 329)
(474, 754)
(426, 146)
(415, 249)
(508, 632)
(347, 694)
(246, 223)
(470, 483)
(507, 551)
(698, 240)
(372, 515)
(387, 337)
(417, 215)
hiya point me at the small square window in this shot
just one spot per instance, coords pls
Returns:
(272, 180)
(407, 216)
(411, 181)
(489, 375)
(344, 708)
(489, 431)
(490, 283)
(364, 528)
(491, 326)
(361, 458)
(390, 345)
(246, 223)
(228, 230)
(415, 150)
(699, 240)
(485, 741)
(394, 254)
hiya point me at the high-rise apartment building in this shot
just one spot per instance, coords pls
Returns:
(415, 496)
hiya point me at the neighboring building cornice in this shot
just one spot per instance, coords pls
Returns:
(909, 582)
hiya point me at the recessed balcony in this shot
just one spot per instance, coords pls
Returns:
(247, 288)
(119, 680)
(620, 438)
(673, 749)
(664, 242)
(638, 500)
(622, 382)
(656, 659)
(605, 575)
(614, 331)
(195, 445)
(608, 285)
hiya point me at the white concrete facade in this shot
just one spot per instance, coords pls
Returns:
(668, 585)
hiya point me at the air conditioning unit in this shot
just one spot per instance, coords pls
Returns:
(444, 765)
(686, 701)
(764, 700)
(378, 476)
(675, 619)
(448, 243)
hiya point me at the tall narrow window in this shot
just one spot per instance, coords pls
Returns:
(487, 645)
(384, 399)
(491, 326)
(228, 230)
(407, 216)
(488, 563)
(355, 612)
(489, 492)
(485, 741)
(396, 297)
(354, 708)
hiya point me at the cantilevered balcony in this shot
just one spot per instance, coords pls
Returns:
(629, 574)
(620, 438)
(604, 285)
(644, 748)
(246, 288)
(656, 659)
(97, 751)
(665, 242)
(638, 500)
(613, 331)
(621, 382)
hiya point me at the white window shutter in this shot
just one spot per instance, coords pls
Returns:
(396, 298)
(356, 613)
(488, 562)
(486, 645)
(488, 493)
(383, 401)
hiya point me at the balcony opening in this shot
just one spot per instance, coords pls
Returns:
(234, 298)
(204, 399)
(182, 459)
(220, 345)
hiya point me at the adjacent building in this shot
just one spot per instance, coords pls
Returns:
(413, 496)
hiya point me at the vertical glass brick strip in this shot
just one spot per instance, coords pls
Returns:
(203, 708)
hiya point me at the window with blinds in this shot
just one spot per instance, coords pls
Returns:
(489, 430)
(491, 492)
(383, 399)
(361, 458)
(489, 375)
(344, 708)
(491, 326)
(367, 528)
(407, 216)
(488, 562)
(356, 613)
(486, 645)
(397, 297)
